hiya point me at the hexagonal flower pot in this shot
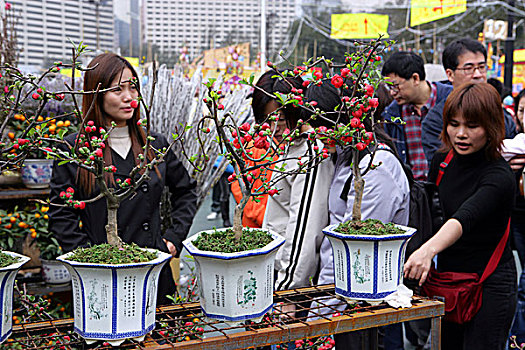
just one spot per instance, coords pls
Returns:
(114, 302)
(7, 280)
(368, 267)
(235, 286)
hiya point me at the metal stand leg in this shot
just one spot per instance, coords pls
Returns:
(435, 332)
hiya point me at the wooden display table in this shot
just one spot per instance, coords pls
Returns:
(184, 327)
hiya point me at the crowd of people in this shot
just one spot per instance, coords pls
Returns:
(420, 122)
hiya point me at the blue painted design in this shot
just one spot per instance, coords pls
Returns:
(114, 298)
(348, 267)
(238, 318)
(355, 295)
(2, 291)
(83, 298)
(5, 336)
(144, 299)
(400, 262)
(123, 335)
(376, 266)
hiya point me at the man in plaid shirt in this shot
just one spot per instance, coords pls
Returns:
(413, 98)
(465, 61)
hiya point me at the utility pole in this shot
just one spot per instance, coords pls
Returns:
(263, 36)
(97, 4)
(509, 48)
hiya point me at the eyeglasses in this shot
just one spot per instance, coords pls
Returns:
(469, 70)
(394, 86)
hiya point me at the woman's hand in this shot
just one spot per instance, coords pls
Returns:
(419, 262)
(418, 265)
(171, 247)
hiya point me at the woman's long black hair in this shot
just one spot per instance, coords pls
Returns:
(329, 101)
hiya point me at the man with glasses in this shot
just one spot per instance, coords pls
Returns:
(464, 60)
(414, 97)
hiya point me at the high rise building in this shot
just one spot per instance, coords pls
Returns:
(45, 28)
(127, 26)
(203, 24)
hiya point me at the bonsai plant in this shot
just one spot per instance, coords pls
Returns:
(367, 255)
(359, 74)
(115, 284)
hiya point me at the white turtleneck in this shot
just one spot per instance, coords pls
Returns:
(120, 141)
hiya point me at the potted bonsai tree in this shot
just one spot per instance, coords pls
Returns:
(368, 255)
(115, 284)
(384, 252)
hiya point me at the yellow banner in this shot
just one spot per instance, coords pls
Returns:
(359, 26)
(424, 11)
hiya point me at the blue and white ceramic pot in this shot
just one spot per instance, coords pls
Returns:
(7, 280)
(368, 267)
(235, 286)
(36, 173)
(114, 302)
(54, 272)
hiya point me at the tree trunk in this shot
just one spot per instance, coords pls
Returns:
(112, 226)
(359, 186)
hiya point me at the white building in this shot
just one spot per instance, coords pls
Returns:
(201, 24)
(46, 27)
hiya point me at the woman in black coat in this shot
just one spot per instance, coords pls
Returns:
(139, 215)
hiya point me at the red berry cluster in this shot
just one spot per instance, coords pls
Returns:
(67, 196)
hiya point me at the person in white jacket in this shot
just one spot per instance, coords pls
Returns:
(299, 211)
(386, 197)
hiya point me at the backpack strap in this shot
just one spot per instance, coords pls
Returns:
(443, 166)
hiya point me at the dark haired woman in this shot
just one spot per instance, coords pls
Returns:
(386, 181)
(299, 211)
(477, 194)
(139, 215)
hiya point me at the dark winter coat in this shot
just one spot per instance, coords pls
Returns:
(138, 215)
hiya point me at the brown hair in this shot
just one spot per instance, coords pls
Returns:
(105, 68)
(479, 103)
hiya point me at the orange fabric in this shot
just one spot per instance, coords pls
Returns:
(253, 214)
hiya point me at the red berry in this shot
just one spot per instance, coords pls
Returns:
(245, 127)
(134, 104)
(357, 113)
(220, 107)
(35, 96)
(354, 123)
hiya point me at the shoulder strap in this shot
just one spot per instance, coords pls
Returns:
(496, 256)
(443, 165)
